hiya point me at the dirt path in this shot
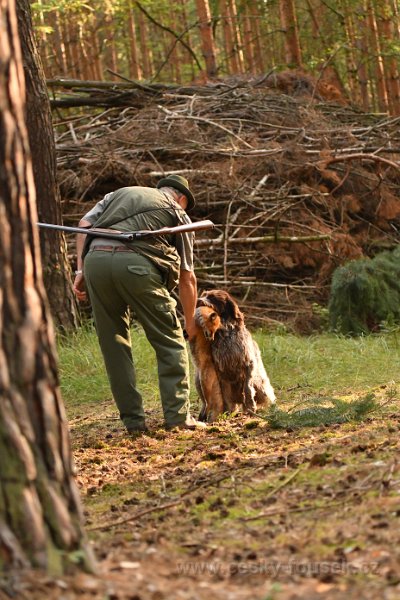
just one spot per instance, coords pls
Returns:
(249, 513)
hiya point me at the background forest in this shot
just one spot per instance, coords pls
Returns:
(354, 44)
(283, 115)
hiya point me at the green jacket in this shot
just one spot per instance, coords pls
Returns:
(136, 208)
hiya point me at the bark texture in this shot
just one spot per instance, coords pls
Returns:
(207, 38)
(289, 24)
(40, 516)
(57, 272)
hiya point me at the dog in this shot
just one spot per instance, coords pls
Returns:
(236, 359)
(206, 379)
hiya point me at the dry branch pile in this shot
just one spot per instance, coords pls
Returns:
(296, 184)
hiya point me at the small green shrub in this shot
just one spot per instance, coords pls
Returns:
(365, 294)
(319, 414)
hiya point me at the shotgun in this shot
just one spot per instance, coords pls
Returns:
(130, 236)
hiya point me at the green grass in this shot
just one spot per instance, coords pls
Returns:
(82, 371)
(328, 364)
(299, 367)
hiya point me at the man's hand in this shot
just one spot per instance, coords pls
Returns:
(79, 283)
(188, 298)
(191, 329)
(79, 287)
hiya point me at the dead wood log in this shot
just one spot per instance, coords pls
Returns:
(361, 156)
(265, 239)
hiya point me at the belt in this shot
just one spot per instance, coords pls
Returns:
(112, 248)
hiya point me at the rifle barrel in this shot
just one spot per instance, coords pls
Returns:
(129, 236)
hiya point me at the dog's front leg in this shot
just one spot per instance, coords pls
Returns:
(249, 391)
(204, 410)
(211, 390)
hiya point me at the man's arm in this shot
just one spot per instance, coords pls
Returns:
(79, 283)
(188, 298)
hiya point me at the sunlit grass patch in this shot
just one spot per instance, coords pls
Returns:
(328, 364)
(82, 371)
(299, 367)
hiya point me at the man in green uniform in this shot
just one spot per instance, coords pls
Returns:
(140, 275)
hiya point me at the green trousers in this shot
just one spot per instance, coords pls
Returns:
(120, 281)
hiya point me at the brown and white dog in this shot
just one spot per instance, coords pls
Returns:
(235, 358)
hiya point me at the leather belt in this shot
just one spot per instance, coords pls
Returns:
(112, 248)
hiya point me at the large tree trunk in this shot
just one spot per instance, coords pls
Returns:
(237, 36)
(289, 25)
(255, 19)
(40, 517)
(58, 45)
(145, 50)
(361, 43)
(383, 102)
(135, 69)
(229, 40)
(387, 35)
(57, 272)
(352, 60)
(207, 37)
(248, 41)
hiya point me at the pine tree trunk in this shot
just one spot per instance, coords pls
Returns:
(362, 46)
(257, 38)
(57, 272)
(85, 57)
(207, 37)
(165, 40)
(380, 82)
(289, 25)
(351, 57)
(387, 37)
(396, 21)
(175, 61)
(236, 34)
(230, 53)
(43, 44)
(134, 65)
(40, 515)
(188, 58)
(66, 33)
(111, 52)
(58, 47)
(89, 53)
(248, 42)
(145, 50)
(97, 56)
(74, 41)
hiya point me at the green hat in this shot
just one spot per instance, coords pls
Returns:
(181, 184)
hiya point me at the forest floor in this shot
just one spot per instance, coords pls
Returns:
(238, 511)
(241, 510)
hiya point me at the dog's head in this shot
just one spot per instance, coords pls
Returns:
(208, 320)
(224, 305)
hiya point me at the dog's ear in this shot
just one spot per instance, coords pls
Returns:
(232, 310)
(203, 300)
